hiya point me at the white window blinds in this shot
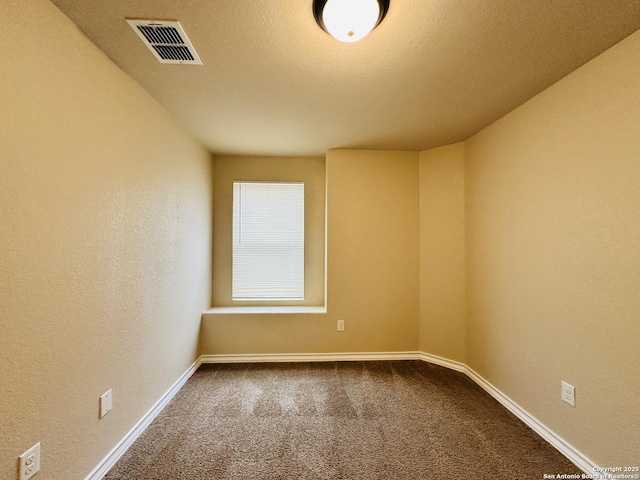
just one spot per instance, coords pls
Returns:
(268, 241)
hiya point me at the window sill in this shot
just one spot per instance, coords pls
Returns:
(264, 310)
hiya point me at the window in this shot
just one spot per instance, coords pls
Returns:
(268, 241)
(307, 171)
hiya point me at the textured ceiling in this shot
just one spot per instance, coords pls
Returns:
(433, 73)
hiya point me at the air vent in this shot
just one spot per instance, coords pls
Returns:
(166, 40)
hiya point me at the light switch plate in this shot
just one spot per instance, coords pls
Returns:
(106, 403)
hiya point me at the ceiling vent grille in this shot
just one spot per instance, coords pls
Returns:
(166, 40)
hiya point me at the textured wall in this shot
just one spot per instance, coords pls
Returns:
(373, 202)
(372, 227)
(104, 248)
(442, 270)
(553, 255)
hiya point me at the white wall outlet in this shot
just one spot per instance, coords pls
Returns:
(30, 462)
(341, 325)
(568, 394)
(106, 403)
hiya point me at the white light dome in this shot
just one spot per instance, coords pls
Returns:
(350, 20)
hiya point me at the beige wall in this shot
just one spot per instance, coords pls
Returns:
(553, 255)
(372, 215)
(105, 245)
(311, 171)
(442, 244)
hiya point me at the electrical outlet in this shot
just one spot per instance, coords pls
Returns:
(568, 394)
(30, 462)
(341, 325)
(106, 403)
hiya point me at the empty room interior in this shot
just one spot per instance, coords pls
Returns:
(471, 210)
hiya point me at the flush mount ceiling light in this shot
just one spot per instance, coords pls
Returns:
(349, 20)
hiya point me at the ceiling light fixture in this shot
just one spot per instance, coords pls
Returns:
(349, 20)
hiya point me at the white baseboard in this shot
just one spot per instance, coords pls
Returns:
(575, 456)
(310, 357)
(443, 362)
(114, 455)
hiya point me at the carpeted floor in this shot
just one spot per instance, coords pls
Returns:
(336, 420)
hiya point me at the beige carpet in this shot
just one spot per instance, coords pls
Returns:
(336, 420)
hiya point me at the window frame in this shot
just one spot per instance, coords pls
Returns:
(240, 291)
(311, 171)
